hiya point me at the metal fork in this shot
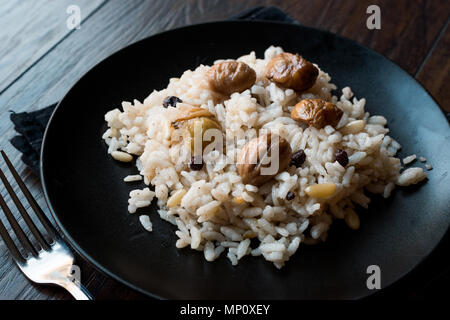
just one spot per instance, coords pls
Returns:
(48, 262)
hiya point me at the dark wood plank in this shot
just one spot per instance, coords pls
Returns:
(435, 72)
(29, 29)
(409, 29)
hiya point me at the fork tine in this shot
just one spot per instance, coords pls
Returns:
(24, 213)
(10, 244)
(37, 209)
(17, 229)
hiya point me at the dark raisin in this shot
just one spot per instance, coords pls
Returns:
(196, 163)
(290, 195)
(341, 157)
(175, 125)
(298, 158)
(171, 101)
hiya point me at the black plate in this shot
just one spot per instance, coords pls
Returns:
(88, 199)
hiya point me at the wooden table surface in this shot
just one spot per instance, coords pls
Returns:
(41, 58)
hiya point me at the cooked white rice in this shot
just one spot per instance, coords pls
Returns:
(132, 178)
(213, 210)
(409, 159)
(146, 223)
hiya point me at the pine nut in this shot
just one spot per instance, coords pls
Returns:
(175, 199)
(353, 127)
(320, 191)
(352, 219)
(121, 156)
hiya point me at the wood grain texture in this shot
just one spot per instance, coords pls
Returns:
(411, 35)
(434, 75)
(29, 29)
(408, 28)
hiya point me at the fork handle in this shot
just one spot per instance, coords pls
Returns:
(76, 289)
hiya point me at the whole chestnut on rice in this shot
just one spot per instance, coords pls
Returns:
(291, 71)
(230, 76)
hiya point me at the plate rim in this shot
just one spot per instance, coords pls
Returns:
(97, 265)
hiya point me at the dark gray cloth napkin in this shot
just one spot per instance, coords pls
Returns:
(30, 126)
